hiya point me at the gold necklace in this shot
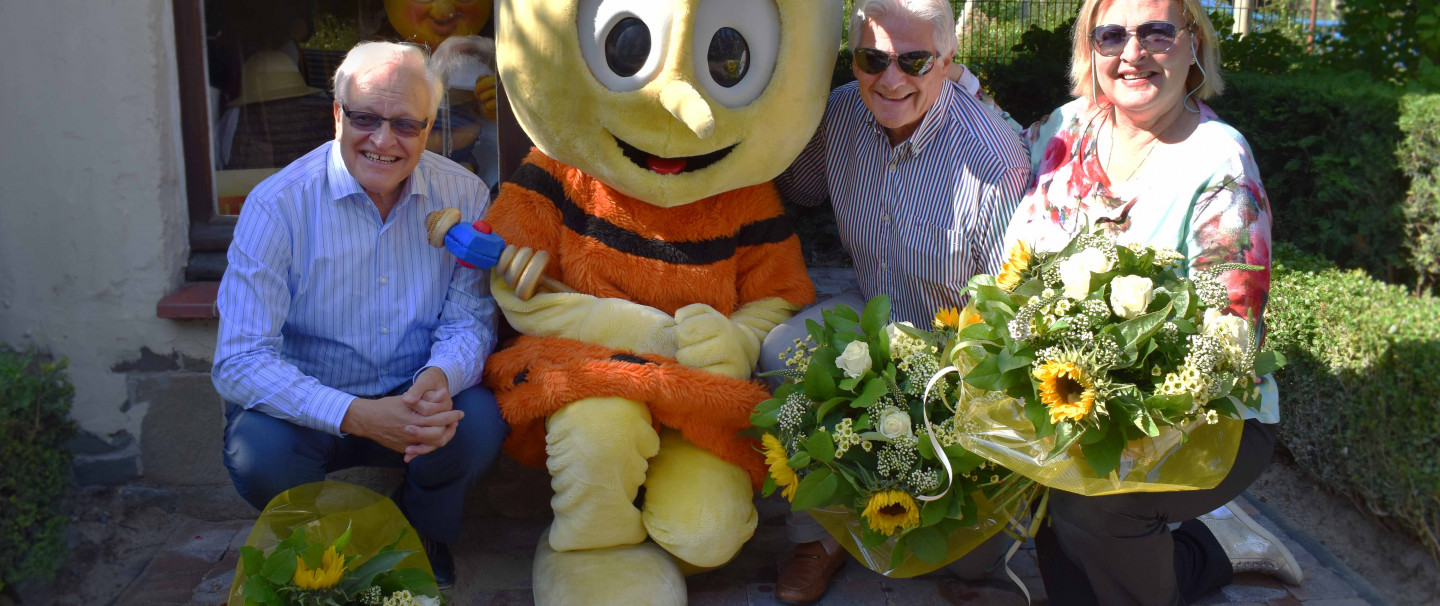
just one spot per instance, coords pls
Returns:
(1149, 147)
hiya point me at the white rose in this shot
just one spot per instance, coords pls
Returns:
(1075, 271)
(1131, 295)
(894, 423)
(1233, 331)
(895, 333)
(855, 360)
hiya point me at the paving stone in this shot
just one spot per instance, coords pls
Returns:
(1337, 602)
(1252, 593)
(1285, 601)
(1322, 583)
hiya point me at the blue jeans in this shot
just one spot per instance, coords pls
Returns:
(267, 456)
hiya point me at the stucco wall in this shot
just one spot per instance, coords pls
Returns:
(93, 218)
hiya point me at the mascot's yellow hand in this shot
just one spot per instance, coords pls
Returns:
(485, 96)
(728, 346)
(707, 339)
(614, 323)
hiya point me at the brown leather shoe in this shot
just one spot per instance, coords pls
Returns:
(807, 575)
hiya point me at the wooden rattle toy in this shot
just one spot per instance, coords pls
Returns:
(520, 267)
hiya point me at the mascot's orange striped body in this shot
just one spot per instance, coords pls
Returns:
(725, 251)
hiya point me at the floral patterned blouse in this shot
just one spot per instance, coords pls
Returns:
(1201, 197)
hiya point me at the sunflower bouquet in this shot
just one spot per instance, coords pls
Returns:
(865, 434)
(333, 552)
(1113, 361)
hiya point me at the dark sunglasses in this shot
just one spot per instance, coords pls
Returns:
(1156, 37)
(875, 61)
(368, 122)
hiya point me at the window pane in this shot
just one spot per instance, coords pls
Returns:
(270, 64)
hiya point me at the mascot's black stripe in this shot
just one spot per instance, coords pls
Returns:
(699, 252)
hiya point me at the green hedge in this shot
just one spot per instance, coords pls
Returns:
(35, 427)
(1360, 398)
(1420, 159)
(1326, 149)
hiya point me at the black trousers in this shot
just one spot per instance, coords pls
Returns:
(1119, 549)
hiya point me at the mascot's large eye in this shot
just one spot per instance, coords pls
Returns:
(623, 41)
(735, 48)
(627, 46)
(729, 57)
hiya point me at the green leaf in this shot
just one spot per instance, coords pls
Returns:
(364, 575)
(880, 348)
(766, 419)
(869, 537)
(986, 375)
(279, 568)
(848, 383)
(1032, 287)
(1066, 433)
(1267, 362)
(934, 511)
(1021, 358)
(928, 544)
(1133, 331)
(251, 559)
(962, 461)
(344, 539)
(1179, 403)
(876, 315)
(414, 580)
(845, 312)
(821, 446)
(313, 554)
(814, 490)
(829, 405)
(988, 294)
(874, 389)
(768, 487)
(1104, 456)
(978, 331)
(799, 460)
(258, 589)
(816, 331)
(819, 384)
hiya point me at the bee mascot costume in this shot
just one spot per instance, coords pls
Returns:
(658, 125)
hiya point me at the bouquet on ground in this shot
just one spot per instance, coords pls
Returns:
(333, 544)
(1113, 361)
(865, 434)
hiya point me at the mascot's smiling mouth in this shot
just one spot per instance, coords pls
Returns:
(670, 166)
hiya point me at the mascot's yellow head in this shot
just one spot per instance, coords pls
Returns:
(669, 101)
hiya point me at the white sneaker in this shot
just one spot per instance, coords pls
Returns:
(1249, 546)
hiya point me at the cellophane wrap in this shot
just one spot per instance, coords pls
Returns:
(324, 510)
(846, 526)
(1195, 456)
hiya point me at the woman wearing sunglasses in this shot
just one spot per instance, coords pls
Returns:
(1139, 154)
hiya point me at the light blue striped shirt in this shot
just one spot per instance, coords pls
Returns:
(920, 218)
(323, 302)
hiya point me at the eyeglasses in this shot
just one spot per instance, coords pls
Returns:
(1156, 37)
(368, 122)
(875, 61)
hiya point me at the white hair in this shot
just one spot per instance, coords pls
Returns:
(368, 55)
(937, 12)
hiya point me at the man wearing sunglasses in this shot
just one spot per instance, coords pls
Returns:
(345, 339)
(923, 178)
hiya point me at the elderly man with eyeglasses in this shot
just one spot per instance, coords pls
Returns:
(345, 340)
(923, 177)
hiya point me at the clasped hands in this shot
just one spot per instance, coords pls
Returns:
(414, 423)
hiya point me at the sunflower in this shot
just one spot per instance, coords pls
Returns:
(947, 317)
(779, 463)
(332, 566)
(969, 316)
(890, 511)
(1019, 261)
(1066, 390)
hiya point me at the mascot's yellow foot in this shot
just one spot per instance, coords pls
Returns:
(639, 575)
(697, 506)
(597, 451)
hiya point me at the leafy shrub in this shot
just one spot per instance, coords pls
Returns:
(1419, 157)
(1326, 150)
(1360, 398)
(34, 429)
(1035, 82)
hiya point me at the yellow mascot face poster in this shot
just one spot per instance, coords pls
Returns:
(430, 22)
(669, 101)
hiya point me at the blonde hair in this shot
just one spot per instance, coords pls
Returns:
(366, 55)
(1206, 83)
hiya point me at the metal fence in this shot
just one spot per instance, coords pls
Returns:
(990, 29)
